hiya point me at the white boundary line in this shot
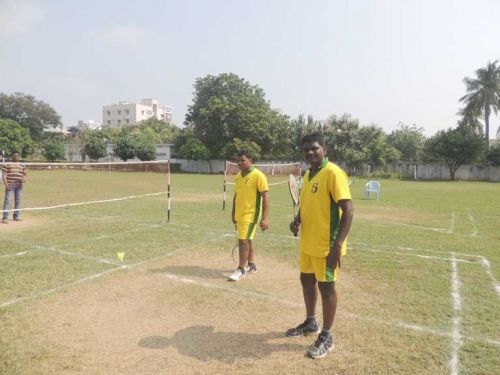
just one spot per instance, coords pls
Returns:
(456, 321)
(487, 266)
(63, 252)
(83, 203)
(452, 222)
(474, 228)
(272, 298)
(21, 253)
(56, 289)
(416, 255)
(414, 249)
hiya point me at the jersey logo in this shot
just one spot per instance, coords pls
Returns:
(314, 187)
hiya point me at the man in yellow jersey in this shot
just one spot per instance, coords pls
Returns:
(250, 203)
(324, 219)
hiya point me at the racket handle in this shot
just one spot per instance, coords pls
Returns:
(295, 234)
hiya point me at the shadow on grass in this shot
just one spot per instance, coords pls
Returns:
(202, 343)
(195, 271)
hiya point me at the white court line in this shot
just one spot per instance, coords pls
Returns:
(457, 309)
(63, 252)
(483, 261)
(272, 298)
(414, 249)
(389, 223)
(487, 266)
(21, 253)
(83, 203)
(452, 222)
(53, 290)
(416, 255)
(474, 231)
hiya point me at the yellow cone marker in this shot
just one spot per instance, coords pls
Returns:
(120, 256)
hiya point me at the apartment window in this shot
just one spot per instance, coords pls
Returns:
(127, 121)
(119, 112)
(109, 113)
(119, 121)
(109, 122)
(127, 111)
(142, 112)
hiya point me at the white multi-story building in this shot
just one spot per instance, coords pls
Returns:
(87, 125)
(125, 113)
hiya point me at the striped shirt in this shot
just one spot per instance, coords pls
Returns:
(14, 173)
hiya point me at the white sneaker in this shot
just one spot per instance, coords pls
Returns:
(238, 274)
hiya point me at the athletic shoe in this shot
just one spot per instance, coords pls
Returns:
(303, 329)
(17, 219)
(238, 274)
(5, 221)
(251, 268)
(321, 347)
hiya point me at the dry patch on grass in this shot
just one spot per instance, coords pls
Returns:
(25, 223)
(180, 315)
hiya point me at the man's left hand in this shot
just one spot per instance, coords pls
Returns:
(333, 258)
(264, 224)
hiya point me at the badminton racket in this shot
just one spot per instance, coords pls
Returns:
(294, 193)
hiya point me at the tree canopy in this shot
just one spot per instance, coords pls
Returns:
(226, 107)
(33, 115)
(455, 147)
(483, 95)
(14, 137)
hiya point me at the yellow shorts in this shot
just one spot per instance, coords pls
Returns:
(310, 264)
(246, 231)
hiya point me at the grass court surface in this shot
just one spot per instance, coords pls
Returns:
(419, 291)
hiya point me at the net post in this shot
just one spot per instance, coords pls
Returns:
(168, 192)
(224, 189)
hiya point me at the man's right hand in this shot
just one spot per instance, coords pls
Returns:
(294, 227)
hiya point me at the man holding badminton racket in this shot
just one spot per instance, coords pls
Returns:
(250, 203)
(324, 219)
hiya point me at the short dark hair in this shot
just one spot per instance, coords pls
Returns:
(245, 153)
(313, 137)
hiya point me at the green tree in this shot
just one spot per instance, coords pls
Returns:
(194, 149)
(493, 154)
(343, 142)
(454, 147)
(230, 150)
(378, 151)
(14, 137)
(145, 148)
(125, 147)
(53, 149)
(408, 140)
(226, 107)
(32, 114)
(299, 127)
(160, 131)
(483, 94)
(95, 144)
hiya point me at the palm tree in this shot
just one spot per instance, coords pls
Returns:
(483, 93)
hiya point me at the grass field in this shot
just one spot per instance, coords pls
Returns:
(419, 292)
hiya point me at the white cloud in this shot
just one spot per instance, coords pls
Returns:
(18, 17)
(129, 35)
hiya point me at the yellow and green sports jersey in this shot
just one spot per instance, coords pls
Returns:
(319, 210)
(248, 190)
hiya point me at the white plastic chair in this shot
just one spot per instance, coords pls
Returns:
(372, 186)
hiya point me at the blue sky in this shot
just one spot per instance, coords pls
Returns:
(382, 61)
